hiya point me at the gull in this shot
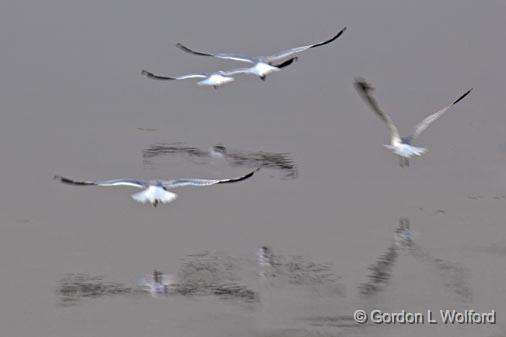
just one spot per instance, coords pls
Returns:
(401, 146)
(217, 78)
(262, 65)
(155, 191)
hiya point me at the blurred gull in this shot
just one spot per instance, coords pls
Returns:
(262, 65)
(155, 191)
(401, 146)
(217, 78)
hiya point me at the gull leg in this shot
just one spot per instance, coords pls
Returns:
(407, 162)
(263, 77)
(401, 161)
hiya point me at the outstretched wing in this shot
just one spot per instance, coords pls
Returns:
(365, 89)
(204, 182)
(435, 116)
(225, 56)
(114, 182)
(167, 78)
(286, 53)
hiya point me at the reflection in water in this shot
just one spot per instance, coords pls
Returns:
(381, 272)
(213, 274)
(276, 161)
(158, 283)
(282, 270)
(343, 321)
(203, 274)
(74, 287)
(209, 274)
(453, 275)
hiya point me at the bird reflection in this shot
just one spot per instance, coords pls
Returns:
(158, 283)
(203, 274)
(452, 274)
(270, 160)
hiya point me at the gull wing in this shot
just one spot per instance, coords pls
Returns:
(365, 89)
(435, 116)
(295, 50)
(225, 56)
(114, 182)
(234, 71)
(285, 63)
(165, 78)
(204, 182)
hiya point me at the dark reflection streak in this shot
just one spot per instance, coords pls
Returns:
(276, 161)
(283, 270)
(74, 287)
(454, 275)
(334, 321)
(158, 150)
(202, 274)
(381, 272)
(212, 274)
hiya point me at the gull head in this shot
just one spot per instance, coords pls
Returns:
(154, 195)
(262, 69)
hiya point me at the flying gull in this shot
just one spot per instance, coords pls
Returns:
(217, 78)
(262, 65)
(401, 146)
(155, 191)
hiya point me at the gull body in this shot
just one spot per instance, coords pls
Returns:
(262, 69)
(222, 77)
(261, 65)
(401, 146)
(155, 191)
(215, 80)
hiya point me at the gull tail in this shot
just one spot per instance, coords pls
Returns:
(154, 195)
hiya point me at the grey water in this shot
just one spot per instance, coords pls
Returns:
(74, 103)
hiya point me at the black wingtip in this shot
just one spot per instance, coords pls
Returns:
(155, 77)
(244, 177)
(63, 179)
(72, 182)
(249, 175)
(462, 97)
(362, 85)
(188, 50)
(286, 63)
(331, 39)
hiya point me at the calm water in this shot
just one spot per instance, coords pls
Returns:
(327, 204)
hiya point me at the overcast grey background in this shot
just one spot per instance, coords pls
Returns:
(72, 101)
